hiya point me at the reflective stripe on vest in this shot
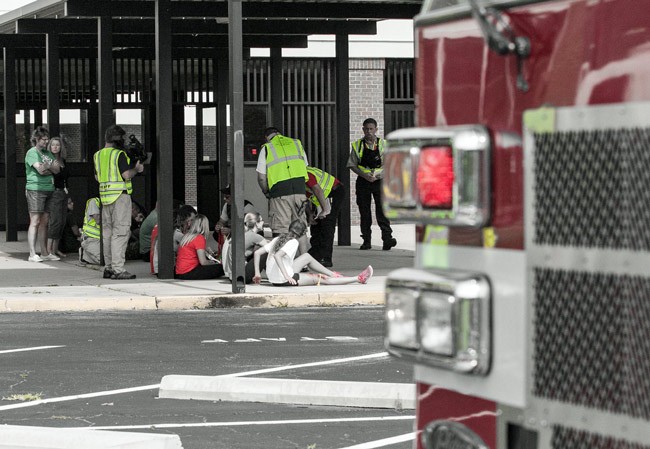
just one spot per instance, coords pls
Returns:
(358, 147)
(90, 227)
(325, 181)
(284, 160)
(111, 183)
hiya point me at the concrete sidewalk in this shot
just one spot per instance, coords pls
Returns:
(66, 285)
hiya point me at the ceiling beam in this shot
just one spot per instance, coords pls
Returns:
(22, 40)
(200, 26)
(250, 9)
(147, 41)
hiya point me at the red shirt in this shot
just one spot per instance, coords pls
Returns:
(312, 181)
(187, 259)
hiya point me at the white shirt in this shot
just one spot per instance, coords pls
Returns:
(272, 271)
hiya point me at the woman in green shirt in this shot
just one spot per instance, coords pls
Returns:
(40, 166)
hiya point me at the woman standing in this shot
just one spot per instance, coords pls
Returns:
(59, 206)
(192, 261)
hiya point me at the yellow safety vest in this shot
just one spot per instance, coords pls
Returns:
(325, 181)
(358, 146)
(91, 227)
(284, 160)
(111, 183)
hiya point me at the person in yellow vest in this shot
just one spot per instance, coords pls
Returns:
(114, 171)
(282, 174)
(327, 195)
(89, 253)
(367, 161)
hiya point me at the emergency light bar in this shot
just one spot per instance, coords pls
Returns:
(440, 318)
(438, 176)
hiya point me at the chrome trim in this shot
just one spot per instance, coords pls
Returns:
(471, 145)
(470, 355)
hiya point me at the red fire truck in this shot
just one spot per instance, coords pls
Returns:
(527, 314)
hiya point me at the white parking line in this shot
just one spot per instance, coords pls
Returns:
(384, 442)
(35, 348)
(153, 387)
(252, 423)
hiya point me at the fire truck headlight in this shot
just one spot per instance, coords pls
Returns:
(441, 318)
(400, 318)
(435, 323)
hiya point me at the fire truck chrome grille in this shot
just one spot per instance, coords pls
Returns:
(592, 189)
(591, 340)
(564, 438)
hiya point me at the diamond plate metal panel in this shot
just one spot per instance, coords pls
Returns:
(567, 438)
(593, 188)
(592, 340)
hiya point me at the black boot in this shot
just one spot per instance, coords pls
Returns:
(389, 243)
(366, 244)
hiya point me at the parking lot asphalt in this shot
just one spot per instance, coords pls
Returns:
(67, 285)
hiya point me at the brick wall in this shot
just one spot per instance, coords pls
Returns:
(366, 100)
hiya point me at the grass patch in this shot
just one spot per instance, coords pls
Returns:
(25, 397)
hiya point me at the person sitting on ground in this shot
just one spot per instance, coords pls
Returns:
(253, 223)
(192, 260)
(145, 233)
(89, 253)
(71, 239)
(182, 221)
(283, 268)
(137, 217)
(222, 227)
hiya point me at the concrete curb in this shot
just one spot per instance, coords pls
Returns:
(50, 303)
(289, 391)
(27, 437)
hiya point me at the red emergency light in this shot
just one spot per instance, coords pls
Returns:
(438, 176)
(435, 177)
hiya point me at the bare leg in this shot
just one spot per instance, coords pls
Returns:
(314, 265)
(42, 233)
(315, 279)
(32, 232)
(55, 249)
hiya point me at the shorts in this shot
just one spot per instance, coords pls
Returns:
(296, 276)
(38, 201)
(285, 209)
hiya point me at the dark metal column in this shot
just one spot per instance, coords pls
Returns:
(343, 132)
(221, 98)
(164, 137)
(198, 135)
(105, 75)
(11, 195)
(53, 83)
(277, 118)
(237, 143)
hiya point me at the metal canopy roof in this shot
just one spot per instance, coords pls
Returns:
(203, 24)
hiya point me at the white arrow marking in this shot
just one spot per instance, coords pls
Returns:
(216, 340)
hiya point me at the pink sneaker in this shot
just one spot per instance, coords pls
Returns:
(365, 275)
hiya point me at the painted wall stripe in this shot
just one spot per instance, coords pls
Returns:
(35, 348)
